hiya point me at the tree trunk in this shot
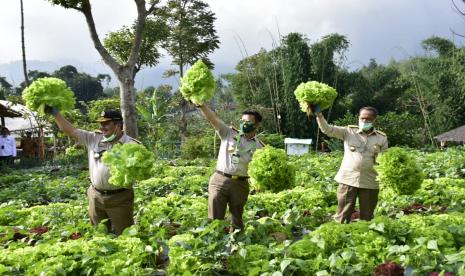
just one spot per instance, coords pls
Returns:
(23, 47)
(184, 108)
(128, 103)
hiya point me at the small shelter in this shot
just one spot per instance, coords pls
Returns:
(297, 146)
(456, 135)
(23, 119)
(7, 112)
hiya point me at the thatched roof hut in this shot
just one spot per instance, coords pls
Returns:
(454, 135)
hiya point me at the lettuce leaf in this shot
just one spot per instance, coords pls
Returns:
(128, 163)
(398, 170)
(314, 92)
(198, 84)
(270, 170)
(48, 91)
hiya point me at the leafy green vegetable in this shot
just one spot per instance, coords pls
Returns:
(398, 170)
(314, 92)
(270, 170)
(128, 163)
(48, 91)
(198, 85)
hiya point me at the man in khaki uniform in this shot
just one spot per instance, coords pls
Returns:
(105, 200)
(356, 176)
(229, 184)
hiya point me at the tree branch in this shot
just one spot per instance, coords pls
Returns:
(138, 34)
(107, 58)
(457, 8)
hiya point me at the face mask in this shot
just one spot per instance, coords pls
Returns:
(109, 138)
(247, 127)
(364, 126)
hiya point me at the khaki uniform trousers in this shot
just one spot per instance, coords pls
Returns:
(346, 199)
(117, 208)
(223, 191)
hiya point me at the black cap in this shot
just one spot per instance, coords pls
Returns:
(110, 115)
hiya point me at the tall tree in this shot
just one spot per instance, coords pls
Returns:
(85, 87)
(124, 71)
(296, 69)
(119, 43)
(192, 36)
(23, 47)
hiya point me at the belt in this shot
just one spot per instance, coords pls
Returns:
(234, 177)
(109, 192)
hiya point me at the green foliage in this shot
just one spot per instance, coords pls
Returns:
(275, 140)
(198, 147)
(270, 170)
(291, 232)
(198, 85)
(294, 55)
(192, 35)
(128, 163)
(251, 259)
(84, 86)
(398, 170)
(317, 93)
(448, 163)
(119, 43)
(48, 91)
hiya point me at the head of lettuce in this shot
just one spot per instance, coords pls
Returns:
(51, 92)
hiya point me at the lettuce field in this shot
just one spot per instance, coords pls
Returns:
(44, 228)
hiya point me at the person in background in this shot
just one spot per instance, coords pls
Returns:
(229, 184)
(7, 147)
(356, 176)
(29, 146)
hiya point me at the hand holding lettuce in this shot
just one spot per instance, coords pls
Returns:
(198, 84)
(52, 92)
(128, 164)
(313, 93)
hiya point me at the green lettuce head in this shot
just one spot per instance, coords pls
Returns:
(198, 85)
(316, 93)
(128, 164)
(398, 170)
(48, 91)
(270, 170)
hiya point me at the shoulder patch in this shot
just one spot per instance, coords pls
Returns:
(352, 126)
(98, 131)
(380, 132)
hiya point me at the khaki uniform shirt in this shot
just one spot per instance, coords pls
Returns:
(246, 149)
(99, 172)
(360, 152)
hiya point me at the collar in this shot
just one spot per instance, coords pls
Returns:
(123, 139)
(373, 132)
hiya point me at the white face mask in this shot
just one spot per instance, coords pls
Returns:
(365, 126)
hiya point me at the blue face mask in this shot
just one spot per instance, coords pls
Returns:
(365, 126)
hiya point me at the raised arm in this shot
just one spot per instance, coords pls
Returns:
(63, 124)
(211, 116)
(330, 130)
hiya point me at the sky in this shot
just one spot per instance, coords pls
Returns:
(381, 29)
